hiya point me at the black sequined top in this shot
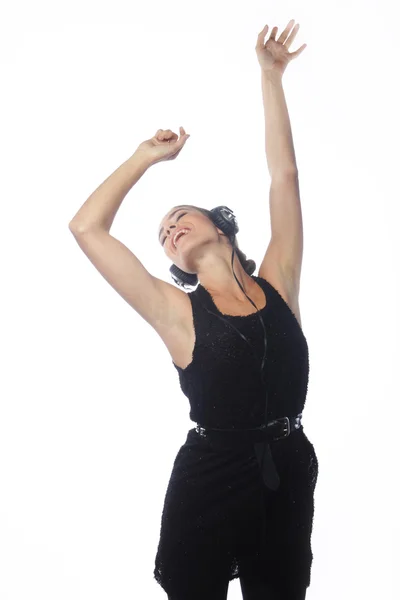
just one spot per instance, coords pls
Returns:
(223, 382)
(218, 518)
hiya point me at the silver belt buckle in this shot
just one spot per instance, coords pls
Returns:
(286, 430)
(201, 431)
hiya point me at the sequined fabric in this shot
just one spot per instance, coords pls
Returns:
(218, 518)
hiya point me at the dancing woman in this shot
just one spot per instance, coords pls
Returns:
(240, 500)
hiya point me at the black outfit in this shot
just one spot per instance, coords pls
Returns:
(219, 520)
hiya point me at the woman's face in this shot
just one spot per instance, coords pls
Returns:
(201, 230)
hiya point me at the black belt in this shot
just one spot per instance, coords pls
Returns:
(273, 431)
(260, 436)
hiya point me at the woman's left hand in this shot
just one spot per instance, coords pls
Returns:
(274, 55)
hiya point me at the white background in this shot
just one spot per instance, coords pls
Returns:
(92, 414)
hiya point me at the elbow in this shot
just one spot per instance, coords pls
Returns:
(76, 228)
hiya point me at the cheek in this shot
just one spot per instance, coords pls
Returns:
(168, 251)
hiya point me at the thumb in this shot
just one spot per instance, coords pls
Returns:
(184, 136)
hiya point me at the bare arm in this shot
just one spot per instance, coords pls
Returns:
(285, 250)
(157, 301)
(100, 208)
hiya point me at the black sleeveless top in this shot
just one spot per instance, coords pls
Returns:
(219, 520)
(223, 382)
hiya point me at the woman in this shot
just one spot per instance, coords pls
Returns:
(240, 500)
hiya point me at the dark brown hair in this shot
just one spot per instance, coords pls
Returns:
(247, 263)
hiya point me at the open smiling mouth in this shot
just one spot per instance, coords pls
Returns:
(180, 236)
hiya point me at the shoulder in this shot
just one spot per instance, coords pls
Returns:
(284, 285)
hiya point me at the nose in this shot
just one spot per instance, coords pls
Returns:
(170, 229)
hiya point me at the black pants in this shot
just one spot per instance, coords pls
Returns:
(251, 590)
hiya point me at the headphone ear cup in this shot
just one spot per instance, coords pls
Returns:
(225, 219)
(182, 278)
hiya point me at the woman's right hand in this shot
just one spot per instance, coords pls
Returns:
(165, 145)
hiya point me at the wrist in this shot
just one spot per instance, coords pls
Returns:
(142, 159)
(272, 75)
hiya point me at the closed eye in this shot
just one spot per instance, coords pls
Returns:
(181, 215)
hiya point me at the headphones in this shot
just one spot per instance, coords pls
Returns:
(224, 219)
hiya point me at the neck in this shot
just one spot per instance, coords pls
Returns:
(221, 282)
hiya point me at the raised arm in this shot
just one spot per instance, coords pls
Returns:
(285, 251)
(157, 301)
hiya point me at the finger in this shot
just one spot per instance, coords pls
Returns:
(160, 134)
(261, 36)
(291, 37)
(165, 134)
(184, 135)
(168, 136)
(285, 32)
(299, 51)
(273, 33)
